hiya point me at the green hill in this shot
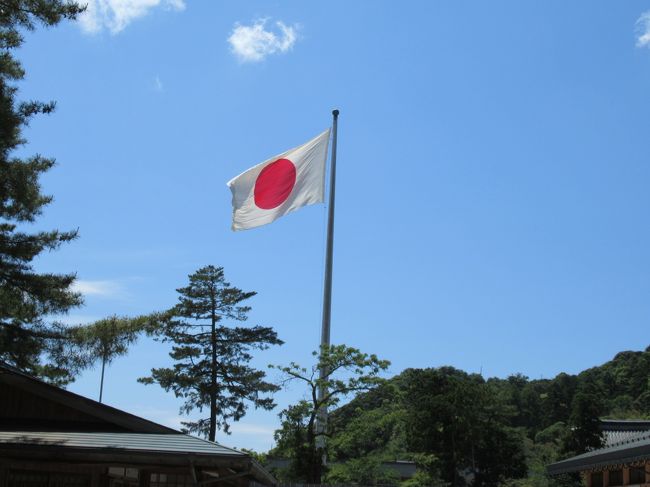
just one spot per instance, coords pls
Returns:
(463, 429)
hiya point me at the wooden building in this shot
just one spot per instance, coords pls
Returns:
(623, 460)
(50, 437)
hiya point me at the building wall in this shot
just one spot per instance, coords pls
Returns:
(50, 474)
(605, 478)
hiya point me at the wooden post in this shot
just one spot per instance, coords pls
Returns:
(144, 478)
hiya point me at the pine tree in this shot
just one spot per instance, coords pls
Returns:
(26, 296)
(211, 367)
(349, 371)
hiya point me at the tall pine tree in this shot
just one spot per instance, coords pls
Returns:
(27, 297)
(211, 369)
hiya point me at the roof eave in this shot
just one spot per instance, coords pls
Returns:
(88, 406)
(603, 459)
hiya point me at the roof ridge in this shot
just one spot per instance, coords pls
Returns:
(633, 439)
(629, 420)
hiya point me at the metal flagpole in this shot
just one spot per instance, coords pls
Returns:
(327, 287)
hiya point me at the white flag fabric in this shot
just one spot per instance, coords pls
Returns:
(280, 185)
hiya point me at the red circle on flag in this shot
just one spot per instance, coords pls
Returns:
(274, 184)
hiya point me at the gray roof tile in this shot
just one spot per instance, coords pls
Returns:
(141, 442)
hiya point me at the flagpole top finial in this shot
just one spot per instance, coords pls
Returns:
(335, 112)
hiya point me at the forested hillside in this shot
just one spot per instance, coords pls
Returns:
(464, 429)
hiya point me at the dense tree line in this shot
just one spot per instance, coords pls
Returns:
(463, 429)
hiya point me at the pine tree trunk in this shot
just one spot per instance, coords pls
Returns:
(213, 376)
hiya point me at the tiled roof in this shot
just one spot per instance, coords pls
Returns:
(633, 449)
(615, 437)
(618, 430)
(136, 442)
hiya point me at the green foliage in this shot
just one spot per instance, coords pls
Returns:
(364, 471)
(465, 422)
(428, 472)
(362, 439)
(370, 431)
(540, 452)
(349, 371)
(626, 375)
(106, 339)
(211, 359)
(293, 443)
(103, 341)
(584, 425)
(27, 339)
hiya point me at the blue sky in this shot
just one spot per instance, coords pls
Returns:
(492, 182)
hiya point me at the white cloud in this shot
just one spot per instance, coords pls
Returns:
(115, 15)
(97, 288)
(253, 43)
(643, 30)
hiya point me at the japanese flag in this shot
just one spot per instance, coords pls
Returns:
(280, 185)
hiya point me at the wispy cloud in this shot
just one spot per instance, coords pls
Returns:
(252, 429)
(167, 417)
(98, 288)
(253, 43)
(158, 85)
(115, 15)
(77, 319)
(643, 30)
